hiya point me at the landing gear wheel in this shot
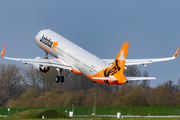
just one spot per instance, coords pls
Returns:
(62, 79)
(57, 79)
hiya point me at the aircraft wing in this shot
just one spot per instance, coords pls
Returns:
(55, 62)
(144, 61)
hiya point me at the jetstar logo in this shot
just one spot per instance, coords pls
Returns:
(113, 70)
(48, 42)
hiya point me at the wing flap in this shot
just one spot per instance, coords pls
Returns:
(57, 62)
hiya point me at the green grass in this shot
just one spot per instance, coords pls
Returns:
(143, 110)
(38, 113)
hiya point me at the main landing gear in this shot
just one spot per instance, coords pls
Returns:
(59, 78)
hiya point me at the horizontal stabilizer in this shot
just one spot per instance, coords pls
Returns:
(140, 78)
(111, 78)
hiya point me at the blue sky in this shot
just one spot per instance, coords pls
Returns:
(101, 27)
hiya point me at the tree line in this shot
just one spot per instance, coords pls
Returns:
(27, 87)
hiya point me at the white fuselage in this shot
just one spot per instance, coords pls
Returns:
(80, 59)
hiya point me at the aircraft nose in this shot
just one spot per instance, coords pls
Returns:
(38, 37)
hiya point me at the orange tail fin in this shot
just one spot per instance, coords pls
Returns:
(121, 58)
(118, 66)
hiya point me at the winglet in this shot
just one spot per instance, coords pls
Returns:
(175, 55)
(2, 53)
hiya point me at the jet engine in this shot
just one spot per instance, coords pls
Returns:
(42, 68)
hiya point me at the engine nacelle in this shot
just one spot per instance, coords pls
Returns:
(42, 68)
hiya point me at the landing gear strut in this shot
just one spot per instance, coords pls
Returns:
(59, 78)
(46, 55)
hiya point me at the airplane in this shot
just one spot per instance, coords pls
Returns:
(71, 57)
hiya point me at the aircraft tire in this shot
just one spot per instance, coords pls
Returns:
(62, 79)
(57, 79)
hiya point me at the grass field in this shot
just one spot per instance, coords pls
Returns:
(107, 119)
(143, 110)
(37, 114)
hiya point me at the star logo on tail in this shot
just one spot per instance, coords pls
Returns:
(121, 58)
(54, 45)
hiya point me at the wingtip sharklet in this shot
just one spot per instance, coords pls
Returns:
(175, 55)
(2, 53)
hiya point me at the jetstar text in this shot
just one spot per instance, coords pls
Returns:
(46, 41)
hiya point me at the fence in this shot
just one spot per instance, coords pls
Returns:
(89, 111)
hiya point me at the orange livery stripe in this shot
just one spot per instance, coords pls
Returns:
(45, 48)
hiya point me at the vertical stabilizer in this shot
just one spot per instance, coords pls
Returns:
(117, 67)
(121, 58)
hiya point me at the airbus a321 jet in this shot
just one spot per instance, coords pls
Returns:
(74, 58)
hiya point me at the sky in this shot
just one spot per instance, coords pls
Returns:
(151, 27)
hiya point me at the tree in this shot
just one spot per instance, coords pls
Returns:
(163, 94)
(31, 76)
(41, 81)
(47, 80)
(11, 82)
(171, 87)
(145, 82)
(132, 71)
(80, 82)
